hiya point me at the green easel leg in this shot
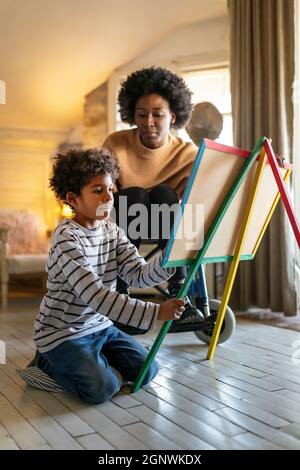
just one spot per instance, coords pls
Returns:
(160, 337)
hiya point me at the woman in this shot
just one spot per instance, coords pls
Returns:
(154, 164)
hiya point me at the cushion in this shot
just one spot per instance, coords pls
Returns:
(22, 264)
(39, 379)
(27, 232)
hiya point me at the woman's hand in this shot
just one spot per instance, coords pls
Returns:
(171, 310)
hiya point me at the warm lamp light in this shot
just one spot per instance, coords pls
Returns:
(66, 211)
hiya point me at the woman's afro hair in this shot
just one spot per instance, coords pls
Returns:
(155, 80)
(75, 168)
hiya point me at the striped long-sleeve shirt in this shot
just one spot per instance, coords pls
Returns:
(82, 268)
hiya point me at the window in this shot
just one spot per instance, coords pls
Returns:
(119, 125)
(213, 85)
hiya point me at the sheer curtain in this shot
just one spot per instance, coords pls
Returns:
(262, 74)
(296, 136)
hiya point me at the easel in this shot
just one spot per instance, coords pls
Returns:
(262, 152)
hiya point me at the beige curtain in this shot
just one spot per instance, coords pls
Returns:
(262, 73)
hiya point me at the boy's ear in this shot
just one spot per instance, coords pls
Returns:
(71, 198)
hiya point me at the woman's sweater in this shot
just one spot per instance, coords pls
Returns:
(169, 164)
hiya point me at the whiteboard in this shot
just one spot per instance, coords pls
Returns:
(214, 172)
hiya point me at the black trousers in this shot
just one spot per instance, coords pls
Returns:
(159, 195)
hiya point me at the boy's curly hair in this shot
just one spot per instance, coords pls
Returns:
(155, 80)
(75, 168)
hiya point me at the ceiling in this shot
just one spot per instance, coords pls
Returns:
(53, 52)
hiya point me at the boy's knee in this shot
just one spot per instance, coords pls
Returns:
(99, 391)
(152, 372)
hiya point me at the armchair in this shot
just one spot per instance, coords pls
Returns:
(22, 249)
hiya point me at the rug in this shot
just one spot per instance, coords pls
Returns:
(272, 318)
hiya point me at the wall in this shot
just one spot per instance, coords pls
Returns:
(95, 122)
(24, 171)
(199, 44)
(194, 44)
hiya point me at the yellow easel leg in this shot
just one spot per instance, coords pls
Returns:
(286, 177)
(237, 254)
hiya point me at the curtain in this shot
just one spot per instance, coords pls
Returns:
(262, 74)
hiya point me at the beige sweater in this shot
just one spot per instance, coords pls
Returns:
(170, 164)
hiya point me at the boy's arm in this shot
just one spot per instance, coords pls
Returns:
(134, 270)
(73, 267)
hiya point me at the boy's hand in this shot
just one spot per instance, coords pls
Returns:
(171, 310)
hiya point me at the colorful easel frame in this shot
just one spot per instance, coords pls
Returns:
(261, 152)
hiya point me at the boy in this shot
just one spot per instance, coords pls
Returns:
(78, 345)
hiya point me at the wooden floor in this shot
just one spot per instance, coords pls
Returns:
(249, 398)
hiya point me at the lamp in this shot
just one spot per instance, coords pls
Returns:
(66, 212)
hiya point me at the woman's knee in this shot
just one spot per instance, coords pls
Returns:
(134, 194)
(163, 194)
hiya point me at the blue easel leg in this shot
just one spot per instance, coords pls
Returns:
(201, 292)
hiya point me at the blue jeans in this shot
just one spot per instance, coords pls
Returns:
(85, 366)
